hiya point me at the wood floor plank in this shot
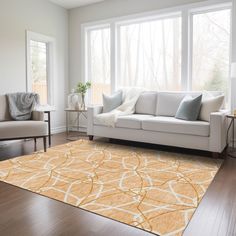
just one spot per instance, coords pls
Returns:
(29, 214)
(216, 214)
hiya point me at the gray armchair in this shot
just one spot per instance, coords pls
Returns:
(14, 130)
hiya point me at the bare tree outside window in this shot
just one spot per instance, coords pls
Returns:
(99, 59)
(150, 54)
(211, 50)
(38, 53)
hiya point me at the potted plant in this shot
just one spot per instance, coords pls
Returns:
(82, 89)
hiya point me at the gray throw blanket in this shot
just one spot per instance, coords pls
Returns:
(21, 105)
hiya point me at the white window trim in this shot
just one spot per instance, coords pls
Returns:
(186, 11)
(50, 41)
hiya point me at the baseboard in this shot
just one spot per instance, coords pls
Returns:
(81, 129)
(58, 130)
(63, 129)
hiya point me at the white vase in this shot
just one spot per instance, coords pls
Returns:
(77, 106)
(73, 99)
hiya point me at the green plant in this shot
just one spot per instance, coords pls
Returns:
(83, 88)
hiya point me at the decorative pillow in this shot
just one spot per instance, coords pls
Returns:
(189, 108)
(146, 103)
(210, 105)
(112, 102)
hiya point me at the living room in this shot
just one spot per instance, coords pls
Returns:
(117, 117)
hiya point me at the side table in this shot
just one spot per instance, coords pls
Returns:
(232, 119)
(76, 122)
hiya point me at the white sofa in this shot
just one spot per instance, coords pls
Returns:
(154, 122)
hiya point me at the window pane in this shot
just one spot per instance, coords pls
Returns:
(150, 55)
(99, 60)
(38, 52)
(211, 48)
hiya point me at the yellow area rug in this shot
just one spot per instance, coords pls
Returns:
(152, 190)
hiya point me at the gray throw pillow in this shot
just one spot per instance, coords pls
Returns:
(189, 108)
(112, 102)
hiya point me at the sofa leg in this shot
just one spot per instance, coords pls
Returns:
(45, 143)
(91, 137)
(35, 144)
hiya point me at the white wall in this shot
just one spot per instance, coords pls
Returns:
(41, 16)
(101, 11)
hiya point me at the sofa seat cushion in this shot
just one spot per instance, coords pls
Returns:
(173, 125)
(21, 129)
(131, 121)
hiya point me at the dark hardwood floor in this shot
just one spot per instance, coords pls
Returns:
(25, 213)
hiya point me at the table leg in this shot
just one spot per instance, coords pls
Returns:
(233, 134)
(49, 129)
(67, 128)
(78, 123)
(227, 138)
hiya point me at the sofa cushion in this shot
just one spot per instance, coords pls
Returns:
(146, 103)
(168, 102)
(132, 121)
(189, 108)
(173, 125)
(112, 102)
(4, 111)
(210, 105)
(21, 129)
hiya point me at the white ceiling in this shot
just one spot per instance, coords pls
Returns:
(68, 4)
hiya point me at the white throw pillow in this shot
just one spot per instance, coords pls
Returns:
(210, 105)
(112, 102)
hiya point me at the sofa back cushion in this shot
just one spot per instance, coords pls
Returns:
(168, 102)
(146, 103)
(4, 111)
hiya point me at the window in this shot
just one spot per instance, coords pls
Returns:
(150, 54)
(99, 63)
(39, 76)
(176, 49)
(40, 66)
(211, 50)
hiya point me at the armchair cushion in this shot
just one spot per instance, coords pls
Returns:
(21, 129)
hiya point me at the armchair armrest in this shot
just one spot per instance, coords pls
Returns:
(218, 130)
(38, 115)
(92, 111)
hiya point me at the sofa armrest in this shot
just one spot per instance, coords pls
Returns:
(38, 115)
(218, 131)
(92, 111)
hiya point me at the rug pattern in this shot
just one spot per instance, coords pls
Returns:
(152, 190)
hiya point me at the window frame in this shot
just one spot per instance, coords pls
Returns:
(186, 13)
(50, 44)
